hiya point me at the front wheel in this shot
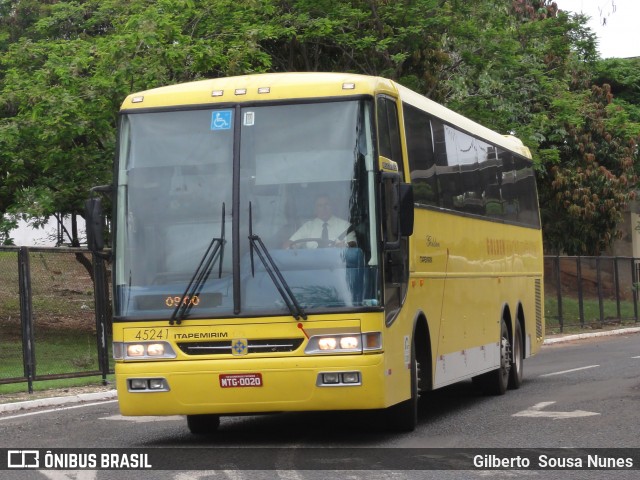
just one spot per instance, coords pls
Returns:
(203, 424)
(496, 381)
(403, 417)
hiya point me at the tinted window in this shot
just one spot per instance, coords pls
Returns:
(389, 130)
(454, 170)
(526, 192)
(447, 174)
(422, 164)
(469, 153)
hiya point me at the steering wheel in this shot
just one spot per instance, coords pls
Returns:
(300, 241)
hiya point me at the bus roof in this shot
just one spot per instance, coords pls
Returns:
(509, 142)
(260, 87)
(299, 85)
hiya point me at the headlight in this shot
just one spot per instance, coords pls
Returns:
(142, 350)
(155, 349)
(344, 343)
(136, 350)
(327, 343)
(349, 343)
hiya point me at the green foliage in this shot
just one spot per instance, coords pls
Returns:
(7, 223)
(623, 75)
(65, 68)
(587, 190)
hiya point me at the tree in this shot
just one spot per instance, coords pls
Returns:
(623, 75)
(584, 143)
(519, 66)
(54, 132)
(593, 178)
(68, 65)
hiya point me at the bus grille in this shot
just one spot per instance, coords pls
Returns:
(254, 346)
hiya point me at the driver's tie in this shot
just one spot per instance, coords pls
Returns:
(325, 235)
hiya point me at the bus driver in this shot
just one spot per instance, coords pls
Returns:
(325, 230)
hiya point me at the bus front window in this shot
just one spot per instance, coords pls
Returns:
(303, 181)
(307, 177)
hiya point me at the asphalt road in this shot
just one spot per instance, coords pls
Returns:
(575, 395)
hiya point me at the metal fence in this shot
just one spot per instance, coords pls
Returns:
(54, 318)
(590, 292)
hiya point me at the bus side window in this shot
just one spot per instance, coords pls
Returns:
(447, 171)
(389, 130)
(421, 157)
(525, 182)
(491, 176)
(509, 187)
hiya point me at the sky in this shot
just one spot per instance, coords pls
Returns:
(619, 36)
(25, 235)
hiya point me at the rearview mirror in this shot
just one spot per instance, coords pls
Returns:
(95, 224)
(397, 203)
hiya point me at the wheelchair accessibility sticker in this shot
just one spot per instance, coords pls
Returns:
(221, 120)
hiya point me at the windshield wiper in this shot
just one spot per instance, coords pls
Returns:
(274, 272)
(213, 254)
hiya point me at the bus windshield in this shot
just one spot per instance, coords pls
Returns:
(195, 185)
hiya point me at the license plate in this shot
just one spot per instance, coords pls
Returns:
(235, 380)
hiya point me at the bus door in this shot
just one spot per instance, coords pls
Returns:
(396, 208)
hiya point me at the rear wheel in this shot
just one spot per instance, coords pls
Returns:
(203, 424)
(517, 359)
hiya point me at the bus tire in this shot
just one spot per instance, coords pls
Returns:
(403, 417)
(496, 381)
(203, 424)
(517, 362)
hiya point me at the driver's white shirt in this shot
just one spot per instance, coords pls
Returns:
(313, 229)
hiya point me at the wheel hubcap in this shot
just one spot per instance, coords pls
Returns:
(506, 356)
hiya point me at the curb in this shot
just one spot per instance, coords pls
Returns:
(57, 401)
(580, 336)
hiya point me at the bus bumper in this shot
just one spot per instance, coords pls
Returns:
(261, 385)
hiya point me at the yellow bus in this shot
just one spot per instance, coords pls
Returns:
(316, 241)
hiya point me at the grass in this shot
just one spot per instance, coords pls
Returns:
(56, 353)
(64, 353)
(591, 315)
(44, 385)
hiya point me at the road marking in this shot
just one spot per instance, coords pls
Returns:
(145, 419)
(569, 371)
(57, 409)
(537, 412)
(77, 475)
(636, 357)
(195, 475)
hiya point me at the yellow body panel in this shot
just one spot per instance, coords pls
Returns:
(289, 379)
(288, 385)
(464, 273)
